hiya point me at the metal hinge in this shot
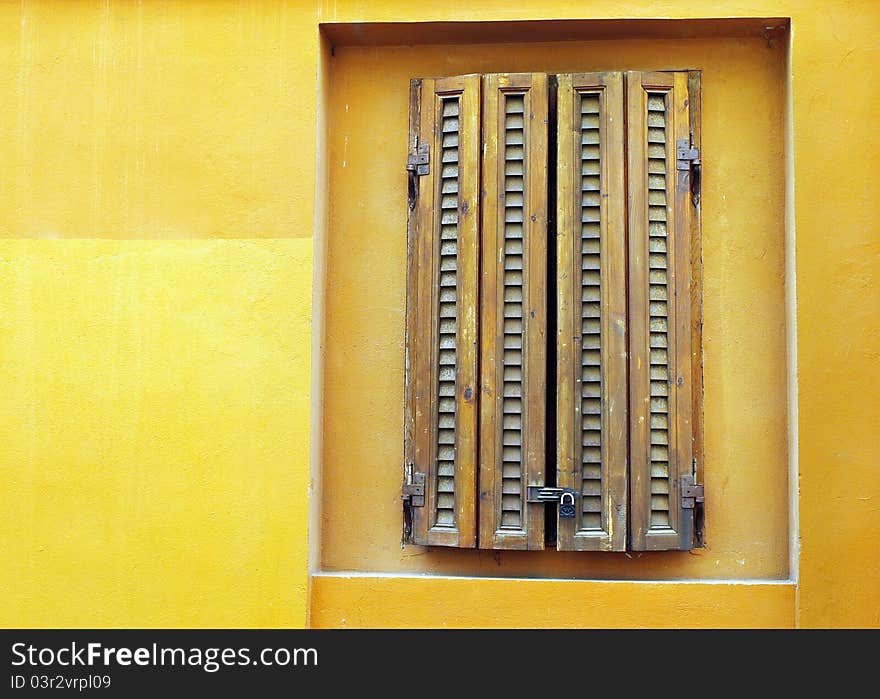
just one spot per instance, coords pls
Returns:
(413, 491)
(687, 159)
(685, 156)
(691, 492)
(418, 163)
(546, 493)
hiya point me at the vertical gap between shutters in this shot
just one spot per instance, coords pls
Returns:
(626, 224)
(550, 523)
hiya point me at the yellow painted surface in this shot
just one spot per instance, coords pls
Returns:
(744, 315)
(834, 94)
(132, 119)
(154, 397)
(395, 602)
(837, 156)
(154, 430)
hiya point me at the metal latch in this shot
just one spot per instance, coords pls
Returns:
(413, 491)
(547, 493)
(691, 492)
(417, 164)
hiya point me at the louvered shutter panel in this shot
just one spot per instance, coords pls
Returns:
(513, 309)
(591, 295)
(660, 311)
(442, 311)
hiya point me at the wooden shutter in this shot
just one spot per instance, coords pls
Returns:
(442, 312)
(591, 330)
(513, 309)
(660, 311)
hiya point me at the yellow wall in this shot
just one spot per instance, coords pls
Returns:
(154, 396)
(342, 601)
(155, 402)
(153, 449)
(187, 119)
(838, 276)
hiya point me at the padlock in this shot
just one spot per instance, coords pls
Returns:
(566, 509)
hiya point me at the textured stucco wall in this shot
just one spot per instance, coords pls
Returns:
(154, 394)
(155, 402)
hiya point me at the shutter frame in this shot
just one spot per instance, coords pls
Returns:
(695, 113)
(425, 256)
(503, 482)
(604, 529)
(626, 328)
(661, 407)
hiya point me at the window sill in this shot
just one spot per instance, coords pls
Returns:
(376, 600)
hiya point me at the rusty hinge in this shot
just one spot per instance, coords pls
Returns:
(418, 163)
(691, 492)
(687, 160)
(685, 156)
(413, 491)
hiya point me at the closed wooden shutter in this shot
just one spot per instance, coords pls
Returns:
(591, 330)
(442, 312)
(513, 309)
(628, 365)
(661, 450)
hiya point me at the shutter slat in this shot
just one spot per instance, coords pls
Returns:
(442, 292)
(515, 111)
(591, 416)
(659, 259)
